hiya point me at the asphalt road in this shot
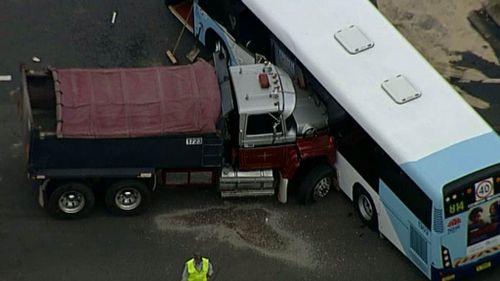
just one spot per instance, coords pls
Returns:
(251, 239)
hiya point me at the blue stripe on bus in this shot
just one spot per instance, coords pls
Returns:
(436, 170)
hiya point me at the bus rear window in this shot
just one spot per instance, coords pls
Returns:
(483, 222)
(471, 191)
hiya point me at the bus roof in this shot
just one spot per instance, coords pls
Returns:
(361, 81)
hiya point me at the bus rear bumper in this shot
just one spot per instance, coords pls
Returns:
(447, 274)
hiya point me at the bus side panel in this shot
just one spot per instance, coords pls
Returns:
(204, 23)
(388, 228)
(348, 177)
(412, 234)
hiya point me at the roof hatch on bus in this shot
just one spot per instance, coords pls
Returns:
(400, 89)
(353, 40)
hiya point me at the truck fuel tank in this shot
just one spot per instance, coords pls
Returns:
(234, 183)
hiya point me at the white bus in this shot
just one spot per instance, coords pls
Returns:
(421, 166)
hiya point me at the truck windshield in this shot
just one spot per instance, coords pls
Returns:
(263, 124)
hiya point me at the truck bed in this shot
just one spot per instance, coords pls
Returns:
(56, 157)
(110, 152)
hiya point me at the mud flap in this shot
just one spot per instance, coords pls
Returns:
(42, 194)
(283, 190)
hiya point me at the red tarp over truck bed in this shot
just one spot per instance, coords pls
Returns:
(136, 102)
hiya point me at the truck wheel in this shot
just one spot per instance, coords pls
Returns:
(366, 208)
(316, 184)
(127, 197)
(71, 200)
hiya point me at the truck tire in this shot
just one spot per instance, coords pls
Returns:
(127, 197)
(71, 200)
(366, 208)
(316, 184)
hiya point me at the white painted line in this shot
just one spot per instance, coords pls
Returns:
(113, 18)
(5, 77)
(491, 81)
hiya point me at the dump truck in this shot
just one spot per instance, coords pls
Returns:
(120, 133)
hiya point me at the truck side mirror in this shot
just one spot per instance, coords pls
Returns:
(275, 131)
(275, 126)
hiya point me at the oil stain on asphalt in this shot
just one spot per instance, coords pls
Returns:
(245, 227)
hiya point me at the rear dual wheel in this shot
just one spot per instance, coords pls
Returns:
(71, 200)
(127, 197)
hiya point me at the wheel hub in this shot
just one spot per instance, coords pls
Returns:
(71, 202)
(322, 188)
(365, 207)
(128, 199)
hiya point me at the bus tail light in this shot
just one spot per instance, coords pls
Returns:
(445, 255)
(448, 277)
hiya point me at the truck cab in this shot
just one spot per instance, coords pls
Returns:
(271, 110)
(274, 126)
(265, 108)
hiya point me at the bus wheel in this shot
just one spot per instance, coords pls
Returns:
(316, 184)
(366, 208)
(71, 200)
(127, 197)
(214, 43)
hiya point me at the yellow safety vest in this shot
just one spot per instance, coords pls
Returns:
(195, 275)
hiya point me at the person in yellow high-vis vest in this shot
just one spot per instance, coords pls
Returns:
(197, 269)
